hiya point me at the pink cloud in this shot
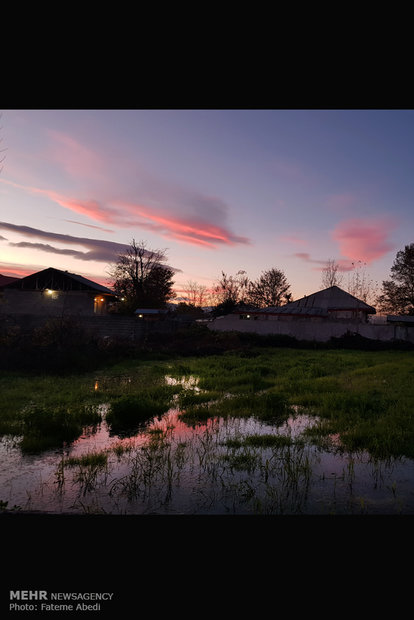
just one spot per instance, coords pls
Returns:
(76, 159)
(89, 208)
(343, 264)
(189, 229)
(364, 239)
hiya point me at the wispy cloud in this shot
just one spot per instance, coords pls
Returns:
(74, 157)
(206, 230)
(98, 250)
(364, 239)
(194, 230)
(108, 230)
(343, 264)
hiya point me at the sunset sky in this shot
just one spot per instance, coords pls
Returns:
(219, 190)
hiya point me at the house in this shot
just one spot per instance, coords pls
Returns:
(52, 292)
(6, 280)
(331, 303)
(151, 314)
(330, 313)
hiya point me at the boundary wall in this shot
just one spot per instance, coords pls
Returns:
(319, 331)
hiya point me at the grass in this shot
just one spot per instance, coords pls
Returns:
(367, 397)
(90, 459)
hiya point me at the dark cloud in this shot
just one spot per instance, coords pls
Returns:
(97, 249)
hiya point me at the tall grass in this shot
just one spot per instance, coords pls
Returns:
(367, 397)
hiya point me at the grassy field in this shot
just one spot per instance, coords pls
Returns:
(364, 397)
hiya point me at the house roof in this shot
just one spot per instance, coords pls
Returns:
(321, 303)
(58, 280)
(4, 280)
(408, 319)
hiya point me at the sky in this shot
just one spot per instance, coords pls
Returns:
(219, 190)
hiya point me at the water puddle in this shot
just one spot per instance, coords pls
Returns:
(188, 383)
(224, 465)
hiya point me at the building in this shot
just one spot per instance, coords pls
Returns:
(6, 280)
(330, 313)
(331, 303)
(151, 314)
(53, 292)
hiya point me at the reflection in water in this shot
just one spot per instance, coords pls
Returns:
(170, 467)
(188, 383)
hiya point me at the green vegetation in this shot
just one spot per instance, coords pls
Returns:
(90, 459)
(364, 397)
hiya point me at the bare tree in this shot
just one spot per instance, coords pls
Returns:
(230, 291)
(331, 275)
(142, 278)
(360, 285)
(195, 294)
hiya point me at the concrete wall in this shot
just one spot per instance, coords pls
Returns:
(57, 303)
(108, 326)
(311, 330)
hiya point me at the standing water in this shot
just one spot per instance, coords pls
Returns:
(223, 465)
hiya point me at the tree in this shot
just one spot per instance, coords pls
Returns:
(360, 285)
(270, 289)
(330, 275)
(230, 291)
(195, 294)
(397, 295)
(232, 288)
(141, 278)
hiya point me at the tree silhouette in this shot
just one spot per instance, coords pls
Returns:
(270, 289)
(330, 275)
(398, 293)
(141, 278)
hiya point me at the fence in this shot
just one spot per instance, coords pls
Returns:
(318, 331)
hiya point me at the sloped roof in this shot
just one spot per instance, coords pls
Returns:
(321, 303)
(4, 280)
(59, 280)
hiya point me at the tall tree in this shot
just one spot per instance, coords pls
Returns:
(195, 294)
(270, 289)
(331, 275)
(230, 291)
(142, 278)
(397, 295)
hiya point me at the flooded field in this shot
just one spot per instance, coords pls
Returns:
(170, 463)
(260, 431)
